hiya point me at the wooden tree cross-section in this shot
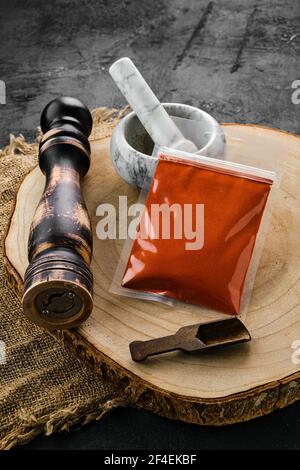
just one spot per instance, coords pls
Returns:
(231, 385)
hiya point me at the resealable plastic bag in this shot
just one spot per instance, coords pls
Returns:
(201, 232)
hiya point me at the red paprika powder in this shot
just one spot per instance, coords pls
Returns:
(214, 274)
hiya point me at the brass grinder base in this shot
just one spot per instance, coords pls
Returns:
(58, 292)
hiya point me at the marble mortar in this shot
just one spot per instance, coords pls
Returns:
(131, 146)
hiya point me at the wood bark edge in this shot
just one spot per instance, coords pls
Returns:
(239, 407)
(138, 393)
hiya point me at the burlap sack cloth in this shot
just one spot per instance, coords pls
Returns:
(43, 387)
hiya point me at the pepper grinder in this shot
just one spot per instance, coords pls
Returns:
(58, 282)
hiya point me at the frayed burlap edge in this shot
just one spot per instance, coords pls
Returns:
(62, 420)
(109, 117)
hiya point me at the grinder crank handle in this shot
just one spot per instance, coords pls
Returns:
(58, 282)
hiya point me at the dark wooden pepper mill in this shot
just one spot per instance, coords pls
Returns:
(58, 282)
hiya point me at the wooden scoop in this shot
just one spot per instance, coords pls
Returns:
(193, 338)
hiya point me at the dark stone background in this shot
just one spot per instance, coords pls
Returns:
(236, 59)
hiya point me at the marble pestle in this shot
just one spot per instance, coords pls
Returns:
(147, 107)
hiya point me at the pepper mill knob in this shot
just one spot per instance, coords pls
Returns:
(66, 110)
(58, 282)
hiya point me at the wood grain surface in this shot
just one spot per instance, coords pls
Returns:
(241, 382)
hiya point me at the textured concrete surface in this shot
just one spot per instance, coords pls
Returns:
(236, 59)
